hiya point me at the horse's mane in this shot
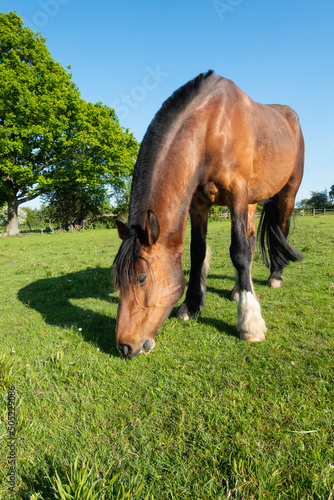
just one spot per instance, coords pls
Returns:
(151, 145)
(124, 263)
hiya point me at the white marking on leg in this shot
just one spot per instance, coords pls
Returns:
(205, 268)
(251, 325)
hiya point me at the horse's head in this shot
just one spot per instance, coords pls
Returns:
(150, 281)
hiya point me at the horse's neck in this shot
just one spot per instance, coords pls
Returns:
(174, 181)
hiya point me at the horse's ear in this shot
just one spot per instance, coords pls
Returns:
(152, 227)
(122, 229)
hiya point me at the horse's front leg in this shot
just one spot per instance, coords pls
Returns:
(199, 256)
(250, 324)
(251, 231)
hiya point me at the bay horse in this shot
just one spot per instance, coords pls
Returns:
(209, 144)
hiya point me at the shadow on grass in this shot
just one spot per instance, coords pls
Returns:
(227, 329)
(51, 297)
(226, 293)
(38, 480)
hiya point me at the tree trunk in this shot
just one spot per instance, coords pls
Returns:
(12, 228)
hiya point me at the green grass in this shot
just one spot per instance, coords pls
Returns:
(204, 416)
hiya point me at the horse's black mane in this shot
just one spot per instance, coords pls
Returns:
(124, 264)
(151, 145)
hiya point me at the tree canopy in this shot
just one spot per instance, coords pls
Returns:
(319, 199)
(50, 136)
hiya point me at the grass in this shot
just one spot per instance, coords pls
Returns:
(204, 416)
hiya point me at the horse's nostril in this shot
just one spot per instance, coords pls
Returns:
(125, 350)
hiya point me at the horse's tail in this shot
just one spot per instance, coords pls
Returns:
(272, 240)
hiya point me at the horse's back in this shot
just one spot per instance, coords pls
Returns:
(290, 115)
(261, 143)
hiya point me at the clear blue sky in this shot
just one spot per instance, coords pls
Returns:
(132, 54)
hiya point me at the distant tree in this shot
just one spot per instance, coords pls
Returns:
(32, 218)
(331, 193)
(120, 198)
(49, 136)
(72, 204)
(319, 199)
(302, 203)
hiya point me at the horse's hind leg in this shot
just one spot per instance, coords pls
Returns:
(274, 224)
(251, 231)
(250, 325)
(200, 256)
(286, 204)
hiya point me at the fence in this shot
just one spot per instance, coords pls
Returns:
(224, 213)
(314, 211)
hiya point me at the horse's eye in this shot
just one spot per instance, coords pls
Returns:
(141, 279)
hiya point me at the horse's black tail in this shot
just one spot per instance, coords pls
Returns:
(272, 240)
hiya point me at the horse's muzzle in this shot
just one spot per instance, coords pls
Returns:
(127, 351)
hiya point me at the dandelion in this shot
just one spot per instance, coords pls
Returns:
(80, 329)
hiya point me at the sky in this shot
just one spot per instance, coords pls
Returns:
(132, 54)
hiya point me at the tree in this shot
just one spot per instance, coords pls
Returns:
(331, 193)
(319, 199)
(32, 217)
(303, 203)
(21, 216)
(49, 135)
(71, 205)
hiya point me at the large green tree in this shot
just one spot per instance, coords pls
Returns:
(50, 136)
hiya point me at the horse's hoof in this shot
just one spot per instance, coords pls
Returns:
(275, 283)
(184, 313)
(234, 297)
(251, 326)
(249, 337)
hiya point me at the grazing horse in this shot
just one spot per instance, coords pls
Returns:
(209, 144)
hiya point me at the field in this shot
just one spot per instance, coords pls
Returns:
(204, 416)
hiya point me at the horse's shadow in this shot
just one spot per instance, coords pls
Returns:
(226, 292)
(52, 298)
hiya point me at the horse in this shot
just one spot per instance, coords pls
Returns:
(209, 144)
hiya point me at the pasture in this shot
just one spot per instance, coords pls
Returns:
(205, 415)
